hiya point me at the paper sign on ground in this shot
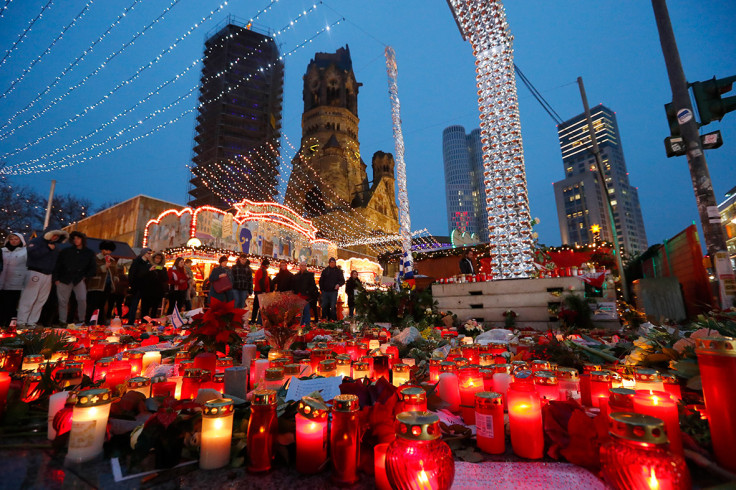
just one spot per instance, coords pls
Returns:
(328, 387)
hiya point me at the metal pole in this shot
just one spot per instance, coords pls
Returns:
(48, 205)
(602, 176)
(710, 218)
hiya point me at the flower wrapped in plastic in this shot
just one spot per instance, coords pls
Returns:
(281, 314)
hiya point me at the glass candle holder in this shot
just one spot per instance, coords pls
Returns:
(327, 368)
(585, 382)
(434, 369)
(487, 375)
(381, 367)
(101, 368)
(318, 355)
(68, 377)
(262, 430)
(491, 434)
(547, 385)
(568, 381)
(413, 399)
(717, 361)
(486, 359)
(523, 376)
(274, 378)
(31, 362)
(418, 458)
(181, 356)
(469, 383)
(191, 383)
(343, 363)
(600, 384)
(88, 365)
(136, 361)
(311, 435)
(217, 433)
(525, 421)
(671, 385)
(661, 405)
(216, 382)
(519, 366)
(461, 362)
(360, 370)
(637, 456)
(351, 349)
(89, 425)
(223, 363)
(540, 365)
(448, 390)
(647, 379)
(4, 388)
(164, 389)
(117, 373)
(401, 374)
(471, 352)
(621, 400)
(392, 352)
(369, 360)
(345, 439)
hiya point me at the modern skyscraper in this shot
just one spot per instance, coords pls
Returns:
(464, 191)
(238, 125)
(580, 197)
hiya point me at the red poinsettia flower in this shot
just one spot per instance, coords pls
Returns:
(215, 328)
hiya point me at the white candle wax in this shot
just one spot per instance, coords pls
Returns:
(217, 434)
(259, 371)
(449, 390)
(250, 351)
(89, 425)
(56, 403)
(153, 357)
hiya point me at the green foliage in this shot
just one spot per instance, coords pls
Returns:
(44, 342)
(396, 307)
(576, 313)
(723, 321)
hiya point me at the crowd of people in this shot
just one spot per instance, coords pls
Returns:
(99, 287)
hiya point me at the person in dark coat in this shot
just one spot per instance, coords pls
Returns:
(136, 279)
(217, 273)
(283, 281)
(261, 284)
(242, 280)
(330, 281)
(306, 287)
(352, 285)
(466, 263)
(75, 264)
(102, 285)
(42, 253)
(155, 286)
(178, 285)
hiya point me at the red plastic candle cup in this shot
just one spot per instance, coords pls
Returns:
(525, 421)
(472, 353)
(117, 373)
(568, 382)
(661, 405)
(317, 356)
(672, 385)
(164, 389)
(540, 365)
(487, 375)
(223, 363)
(547, 385)
(181, 356)
(345, 439)
(491, 435)
(717, 361)
(392, 352)
(637, 456)
(351, 349)
(418, 458)
(191, 383)
(585, 383)
(381, 367)
(4, 388)
(379, 466)
(206, 361)
(369, 360)
(486, 359)
(470, 383)
(135, 358)
(311, 436)
(101, 368)
(600, 385)
(262, 430)
(413, 399)
(621, 400)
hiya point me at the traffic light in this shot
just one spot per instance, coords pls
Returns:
(711, 106)
(669, 108)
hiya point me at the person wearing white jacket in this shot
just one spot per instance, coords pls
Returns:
(13, 276)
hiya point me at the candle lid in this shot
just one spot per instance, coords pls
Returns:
(104, 361)
(278, 362)
(539, 364)
(67, 374)
(401, 368)
(646, 374)
(602, 376)
(455, 351)
(519, 364)
(567, 373)
(219, 407)
(139, 382)
(186, 362)
(669, 379)
(622, 397)
(193, 373)
(224, 361)
(218, 378)
(132, 354)
(545, 378)
(182, 355)
(264, 397)
(360, 366)
(448, 367)
(274, 374)
(291, 369)
(413, 394)
(81, 357)
(502, 368)
(724, 346)
(327, 365)
(637, 427)
(93, 398)
(34, 358)
(342, 360)
(345, 403)
(418, 426)
(523, 374)
(588, 367)
(488, 399)
(311, 408)
(436, 361)
(461, 361)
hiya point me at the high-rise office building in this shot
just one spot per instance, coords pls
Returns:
(236, 153)
(580, 197)
(464, 192)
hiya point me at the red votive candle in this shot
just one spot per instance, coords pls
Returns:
(470, 383)
(491, 434)
(191, 383)
(546, 385)
(164, 389)
(345, 439)
(101, 368)
(487, 375)
(223, 363)
(600, 385)
(525, 421)
(717, 361)
(311, 436)
(379, 466)
(471, 352)
(413, 399)
(4, 388)
(135, 358)
(585, 383)
(672, 385)
(262, 430)
(381, 367)
(661, 405)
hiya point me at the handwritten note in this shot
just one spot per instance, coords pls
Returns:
(329, 388)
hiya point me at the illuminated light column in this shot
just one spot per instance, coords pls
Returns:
(404, 218)
(483, 23)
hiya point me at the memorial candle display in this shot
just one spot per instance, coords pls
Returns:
(600, 384)
(400, 374)
(262, 429)
(661, 405)
(637, 456)
(525, 421)
(547, 385)
(89, 425)
(470, 383)
(491, 434)
(568, 382)
(418, 458)
(311, 435)
(345, 439)
(717, 362)
(217, 433)
(413, 399)
(343, 365)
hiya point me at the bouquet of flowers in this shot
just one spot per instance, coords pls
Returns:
(471, 328)
(510, 318)
(216, 327)
(281, 314)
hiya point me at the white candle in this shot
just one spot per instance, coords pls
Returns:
(448, 390)
(56, 403)
(236, 381)
(217, 433)
(152, 357)
(501, 382)
(259, 371)
(250, 351)
(89, 425)
(178, 381)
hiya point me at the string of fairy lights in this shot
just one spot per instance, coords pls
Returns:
(71, 66)
(23, 34)
(46, 51)
(5, 7)
(120, 85)
(154, 92)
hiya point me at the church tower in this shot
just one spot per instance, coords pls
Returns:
(329, 181)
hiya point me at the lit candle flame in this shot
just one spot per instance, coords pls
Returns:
(652, 480)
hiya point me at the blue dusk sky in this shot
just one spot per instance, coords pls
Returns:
(612, 44)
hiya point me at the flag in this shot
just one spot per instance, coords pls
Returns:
(176, 318)
(595, 279)
(94, 317)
